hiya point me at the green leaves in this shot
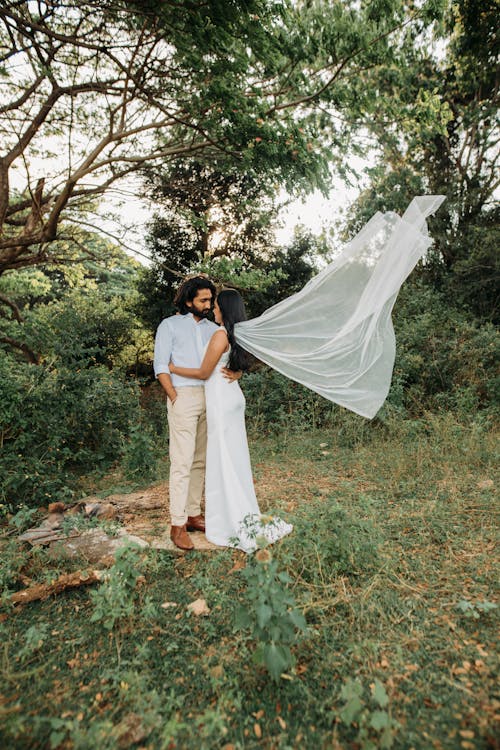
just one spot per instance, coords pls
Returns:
(271, 616)
(476, 610)
(277, 659)
(379, 695)
(58, 432)
(274, 88)
(114, 600)
(375, 726)
(263, 613)
(351, 693)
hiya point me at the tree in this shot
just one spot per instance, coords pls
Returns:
(221, 222)
(447, 143)
(230, 210)
(33, 289)
(205, 215)
(94, 91)
(110, 86)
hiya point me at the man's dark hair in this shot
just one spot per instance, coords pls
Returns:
(188, 291)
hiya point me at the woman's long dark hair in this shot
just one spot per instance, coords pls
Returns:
(233, 311)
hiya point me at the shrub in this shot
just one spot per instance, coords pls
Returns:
(140, 456)
(445, 358)
(81, 330)
(57, 423)
(272, 617)
(274, 403)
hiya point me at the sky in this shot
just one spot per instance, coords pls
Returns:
(132, 212)
(124, 212)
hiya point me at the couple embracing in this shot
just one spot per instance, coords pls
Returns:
(198, 363)
(335, 336)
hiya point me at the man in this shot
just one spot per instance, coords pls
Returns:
(182, 339)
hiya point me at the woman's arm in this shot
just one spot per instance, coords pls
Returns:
(216, 348)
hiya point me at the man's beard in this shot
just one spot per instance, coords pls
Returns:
(202, 313)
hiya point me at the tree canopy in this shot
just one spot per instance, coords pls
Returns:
(448, 144)
(94, 90)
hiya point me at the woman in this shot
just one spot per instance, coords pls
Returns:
(232, 515)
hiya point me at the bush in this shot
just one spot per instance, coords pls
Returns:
(140, 456)
(57, 423)
(445, 358)
(81, 330)
(276, 403)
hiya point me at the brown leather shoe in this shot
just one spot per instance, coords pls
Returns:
(180, 537)
(195, 523)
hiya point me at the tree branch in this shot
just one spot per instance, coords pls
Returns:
(29, 354)
(16, 313)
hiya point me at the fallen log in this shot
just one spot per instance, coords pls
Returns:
(65, 581)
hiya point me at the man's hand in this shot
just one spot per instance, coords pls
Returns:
(231, 375)
(166, 383)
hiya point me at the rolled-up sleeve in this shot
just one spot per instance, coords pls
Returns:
(163, 348)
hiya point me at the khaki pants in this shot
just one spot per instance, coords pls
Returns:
(187, 421)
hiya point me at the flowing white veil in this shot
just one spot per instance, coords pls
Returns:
(335, 336)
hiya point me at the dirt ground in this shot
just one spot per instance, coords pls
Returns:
(143, 516)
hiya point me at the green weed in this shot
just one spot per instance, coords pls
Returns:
(374, 726)
(115, 600)
(392, 561)
(270, 614)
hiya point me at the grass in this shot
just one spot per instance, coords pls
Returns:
(392, 561)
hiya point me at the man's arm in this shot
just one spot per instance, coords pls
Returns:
(166, 383)
(163, 353)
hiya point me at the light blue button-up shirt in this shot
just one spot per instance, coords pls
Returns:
(181, 339)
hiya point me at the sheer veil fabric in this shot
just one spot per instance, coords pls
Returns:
(335, 336)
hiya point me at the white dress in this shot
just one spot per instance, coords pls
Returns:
(232, 515)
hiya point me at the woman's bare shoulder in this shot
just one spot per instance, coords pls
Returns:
(219, 337)
(219, 340)
(220, 333)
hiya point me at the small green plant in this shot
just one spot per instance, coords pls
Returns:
(78, 522)
(139, 456)
(271, 616)
(347, 544)
(21, 520)
(477, 609)
(114, 600)
(101, 733)
(14, 558)
(371, 717)
(34, 639)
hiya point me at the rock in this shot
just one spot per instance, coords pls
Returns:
(199, 607)
(54, 520)
(136, 501)
(101, 510)
(95, 544)
(108, 511)
(44, 534)
(165, 543)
